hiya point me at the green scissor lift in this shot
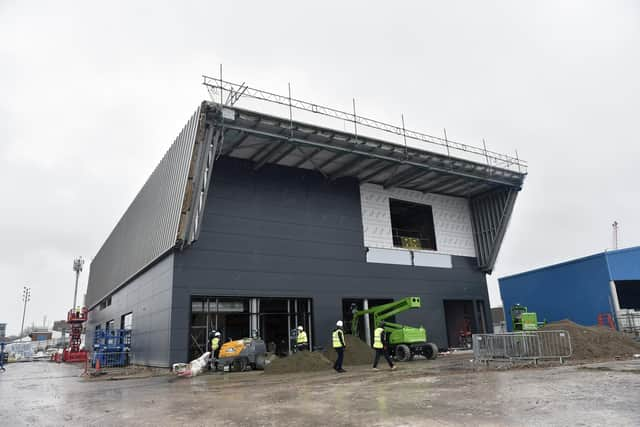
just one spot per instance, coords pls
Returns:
(404, 341)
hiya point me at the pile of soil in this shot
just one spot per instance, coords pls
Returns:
(356, 353)
(302, 361)
(596, 342)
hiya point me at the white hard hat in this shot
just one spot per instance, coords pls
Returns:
(300, 328)
(339, 323)
(217, 334)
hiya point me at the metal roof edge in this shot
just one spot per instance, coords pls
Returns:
(550, 266)
(350, 135)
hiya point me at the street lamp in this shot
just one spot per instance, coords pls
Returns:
(77, 267)
(26, 297)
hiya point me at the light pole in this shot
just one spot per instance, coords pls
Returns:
(26, 297)
(77, 267)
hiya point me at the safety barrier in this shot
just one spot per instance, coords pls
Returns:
(531, 345)
(111, 361)
(629, 322)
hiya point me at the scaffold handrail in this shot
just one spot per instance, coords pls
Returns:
(218, 88)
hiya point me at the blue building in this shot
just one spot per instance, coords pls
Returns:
(580, 289)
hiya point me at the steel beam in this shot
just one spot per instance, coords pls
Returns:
(284, 154)
(333, 158)
(362, 165)
(447, 186)
(433, 184)
(306, 157)
(463, 186)
(259, 152)
(345, 167)
(385, 168)
(395, 160)
(265, 158)
(235, 145)
(405, 177)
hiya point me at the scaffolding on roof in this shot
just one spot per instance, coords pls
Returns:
(220, 89)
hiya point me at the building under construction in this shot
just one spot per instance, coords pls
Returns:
(257, 220)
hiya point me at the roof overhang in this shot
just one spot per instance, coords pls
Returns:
(265, 139)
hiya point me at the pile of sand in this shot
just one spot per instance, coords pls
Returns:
(356, 353)
(596, 342)
(302, 361)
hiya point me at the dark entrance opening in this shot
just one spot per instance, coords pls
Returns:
(628, 294)
(460, 321)
(275, 324)
(348, 307)
(228, 315)
(271, 319)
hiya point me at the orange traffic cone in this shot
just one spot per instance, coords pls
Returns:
(97, 365)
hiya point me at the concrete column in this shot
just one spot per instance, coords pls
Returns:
(309, 324)
(289, 325)
(253, 316)
(614, 296)
(367, 327)
(615, 302)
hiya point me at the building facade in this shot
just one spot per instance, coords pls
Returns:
(581, 290)
(253, 224)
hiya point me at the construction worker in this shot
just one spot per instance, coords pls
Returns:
(381, 345)
(2, 357)
(302, 342)
(338, 345)
(215, 348)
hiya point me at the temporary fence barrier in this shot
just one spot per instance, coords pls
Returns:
(629, 322)
(531, 345)
(107, 361)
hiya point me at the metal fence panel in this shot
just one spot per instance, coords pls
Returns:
(629, 322)
(109, 362)
(533, 345)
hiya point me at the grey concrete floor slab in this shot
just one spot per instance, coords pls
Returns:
(444, 393)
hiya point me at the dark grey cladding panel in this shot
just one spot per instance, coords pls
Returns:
(290, 232)
(148, 297)
(149, 226)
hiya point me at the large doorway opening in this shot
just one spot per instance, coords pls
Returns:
(460, 321)
(628, 294)
(271, 319)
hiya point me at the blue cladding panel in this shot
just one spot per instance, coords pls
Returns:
(624, 264)
(577, 290)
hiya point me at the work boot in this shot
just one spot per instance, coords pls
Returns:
(342, 371)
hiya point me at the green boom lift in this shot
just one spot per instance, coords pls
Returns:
(404, 341)
(524, 320)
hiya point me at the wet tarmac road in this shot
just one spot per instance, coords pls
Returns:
(419, 393)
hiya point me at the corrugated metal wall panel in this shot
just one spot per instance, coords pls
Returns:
(149, 226)
(624, 264)
(576, 290)
(490, 214)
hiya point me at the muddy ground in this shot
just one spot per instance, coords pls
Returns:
(444, 392)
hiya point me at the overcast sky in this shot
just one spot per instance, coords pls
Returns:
(92, 95)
